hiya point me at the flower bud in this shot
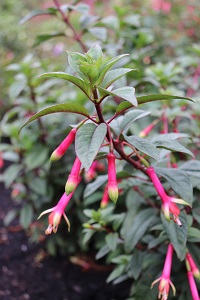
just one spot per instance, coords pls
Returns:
(105, 198)
(74, 178)
(62, 148)
(112, 181)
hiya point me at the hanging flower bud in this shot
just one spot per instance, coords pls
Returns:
(165, 281)
(112, 181)
(105, 198)
(148, 129)
(74, 177)
(193, 287)
(91, 174)
(62, 148)
(192, 266)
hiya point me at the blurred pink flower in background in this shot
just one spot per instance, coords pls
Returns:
(161, 5)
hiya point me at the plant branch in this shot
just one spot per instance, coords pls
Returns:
(67, 22)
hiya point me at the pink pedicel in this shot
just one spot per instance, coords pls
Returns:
(193, 287)
(168, 202)
(62, 148)
(191, 266)
(74, 177)
(56, 214)
(105, 198)
(112, 180)
(165, 281)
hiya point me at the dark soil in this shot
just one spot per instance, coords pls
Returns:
(24, 277)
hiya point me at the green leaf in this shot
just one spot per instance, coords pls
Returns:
(196, 214)
(45, 37)
(167, 141)
(10, 216)
(157, 97)
(65, 107)
(179, 182)
(136, 263)
(191, 167)
(112, 240)
(143, 145)
(95, 52)
(36, 13)
(156, 241)
(73, 79)
(11, 173)
(93, 186)
(108, 65)
(26, 216)
(99, 32)
(131, 117)
(114, 75)
(38, 185)
(116, 273)
(36, 158)
(74, 60)
(126, 93)
(176, 234)
(88, 141)
(140, 224)
(102, 252)
(193, 235)
(148, 98)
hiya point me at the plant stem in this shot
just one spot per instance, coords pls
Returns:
(67, 22)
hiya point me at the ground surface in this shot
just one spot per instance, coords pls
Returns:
(23, 278)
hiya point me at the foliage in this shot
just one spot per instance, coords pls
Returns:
(133, 115)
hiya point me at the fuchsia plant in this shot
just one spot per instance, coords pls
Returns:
(98, 137)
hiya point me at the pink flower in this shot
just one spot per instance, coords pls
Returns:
(62, 148)
(112, 181)
(105, 198)
(191, 266)
(91, 174)
(168, 202)
(56, 214)
(74, 177)
(148, 129)
(161, 5)
(193, 287)
(165, 281)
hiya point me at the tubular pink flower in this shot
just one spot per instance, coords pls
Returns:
(193, 287)
(56, 214)
(191, 266)
(112, 181)
(62, 148)
(148, 129)
(74, 177)
(168, 202)
(165, 281)
(91, 174)
(105, 198)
